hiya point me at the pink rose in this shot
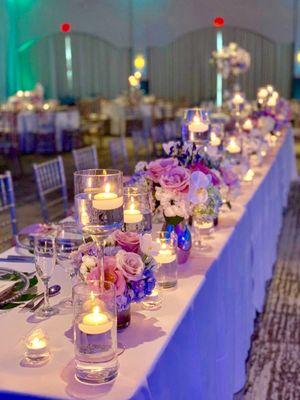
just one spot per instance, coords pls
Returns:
(111, 273)
(129, 241)
(159, 167)
(176, 180)
(202, 168)
(230, 178)
(130, 264)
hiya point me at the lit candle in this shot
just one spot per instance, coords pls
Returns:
(107, 200)
(95, 322)
(272, 101)
(237, 99)
(214, 139)
(248, 126)
(249, 176)
(165, 255)
(233, 146)
(262, 93)
(37, 346)
(206, 225)
(197, 125)
(132, 215)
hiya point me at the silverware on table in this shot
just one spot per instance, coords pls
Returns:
(32, 305)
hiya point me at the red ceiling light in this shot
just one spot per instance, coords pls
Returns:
(65, 27)
(219, 22)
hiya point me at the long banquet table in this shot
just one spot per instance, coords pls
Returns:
(196, 345)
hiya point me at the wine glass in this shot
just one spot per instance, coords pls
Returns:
(99, 205)
(45, 260)
(67, 241)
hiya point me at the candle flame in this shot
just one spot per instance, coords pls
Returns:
(107, 188)
(196, 119)
(132, 205)
(35, 342)
(96, 310)
(163, 246)
(104, 172)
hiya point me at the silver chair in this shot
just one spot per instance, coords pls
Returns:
(140, 145)
(118, 154)
(52, 189)
(86, 158)
(157, 138)
(8, 220)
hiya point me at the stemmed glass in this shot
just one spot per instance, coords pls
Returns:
(67, 241)
(45, 260)
(99, 205)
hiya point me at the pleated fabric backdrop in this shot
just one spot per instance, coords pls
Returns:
(98, 67)
(181, 69)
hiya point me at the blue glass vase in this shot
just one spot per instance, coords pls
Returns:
(184, 240)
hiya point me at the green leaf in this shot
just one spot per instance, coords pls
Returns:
(173, 220)
(33, 281)
(9, 306)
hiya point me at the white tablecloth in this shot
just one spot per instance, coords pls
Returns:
(195, 347)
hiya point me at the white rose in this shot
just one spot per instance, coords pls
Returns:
(89, 261)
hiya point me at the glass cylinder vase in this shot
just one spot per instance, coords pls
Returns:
(95, 332)
(137, 210)
(196, 126)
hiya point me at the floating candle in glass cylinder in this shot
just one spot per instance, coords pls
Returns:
(215, 141)
(196, 126)
(95, 332)
(167, 259)
(131, 214)
(107, 200)
(137, 210)
(99, 200)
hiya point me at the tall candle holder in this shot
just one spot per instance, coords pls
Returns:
(166, 259)
(137, 210)
(99, 205)
(95, 332)
(196, 126)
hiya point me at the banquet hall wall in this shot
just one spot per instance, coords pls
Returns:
(172, 33)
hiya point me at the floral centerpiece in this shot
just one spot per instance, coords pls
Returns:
(128, 263)
(231, 60)
(211, 163)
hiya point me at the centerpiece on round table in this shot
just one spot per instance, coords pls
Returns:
(128, 264)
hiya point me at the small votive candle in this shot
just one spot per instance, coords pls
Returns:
(247, 125)
(214, 140)
(37, 347)
(233, 147)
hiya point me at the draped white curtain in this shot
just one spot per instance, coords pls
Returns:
(181, 69)
(98, 67)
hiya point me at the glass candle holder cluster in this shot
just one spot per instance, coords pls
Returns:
(137, 210)
(95, 332)
(196, 126)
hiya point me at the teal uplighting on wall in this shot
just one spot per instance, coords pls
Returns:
(16, 77)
